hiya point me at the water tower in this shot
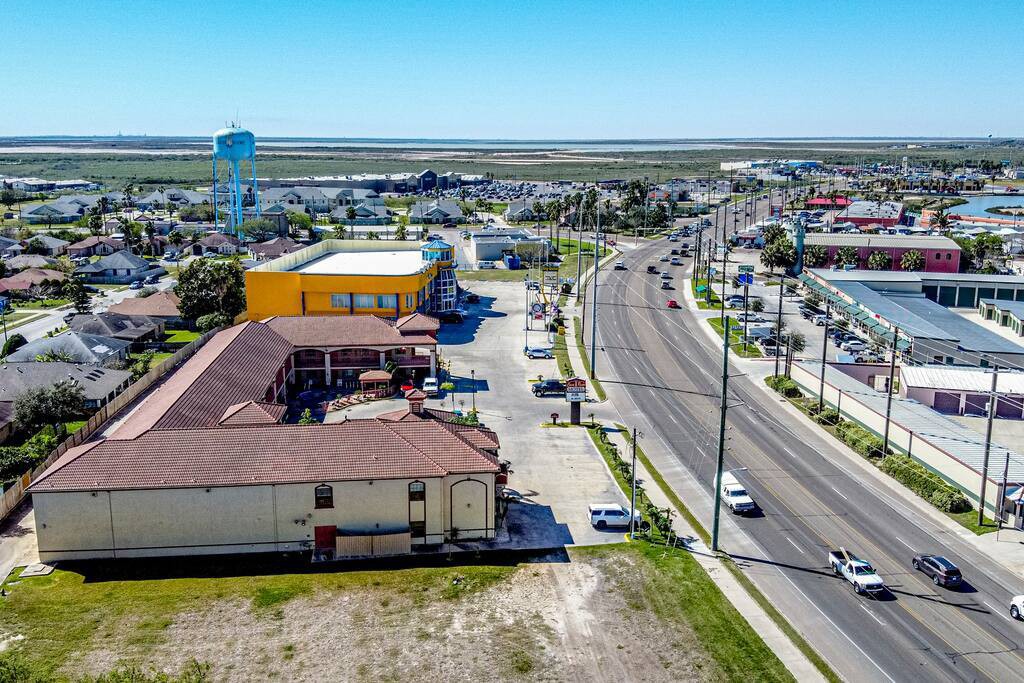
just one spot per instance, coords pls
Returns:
(234, 145)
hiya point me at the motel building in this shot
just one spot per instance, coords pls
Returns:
(385, 278)
(214, 462)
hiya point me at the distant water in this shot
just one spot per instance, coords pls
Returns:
(976, 206)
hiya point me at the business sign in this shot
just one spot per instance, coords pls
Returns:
(537, 307)
(3, 303)
(745, 269)
(745, 279)
(576, 390)
(551, 278)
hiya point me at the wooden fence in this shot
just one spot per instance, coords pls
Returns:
(13, 496)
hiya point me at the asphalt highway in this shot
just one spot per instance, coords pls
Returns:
(667, 373)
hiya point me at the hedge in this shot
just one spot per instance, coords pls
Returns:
(925, 484)
(784, 386)
(860, 439)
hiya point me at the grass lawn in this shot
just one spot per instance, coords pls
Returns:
(561, 353)
(566, 246)
(42, 304)
(598, 389)
(736, 344)
(716, 303)
(180, 336)
(73, 427)
(969, 521)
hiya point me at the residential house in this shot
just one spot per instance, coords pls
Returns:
(135, 329)
(271, 249)
(9, 247)
(162, 305)
(100, 385)
(16, 263)
(118, 268)
(46, 244)
(218, 243)
(362, 214)
(173, 196)
(73, 347)
(26, 282)
(95, 245)
(437, 212)
(300, 198)
(522, 210)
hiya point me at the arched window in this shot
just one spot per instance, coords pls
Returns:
(323, 497)
(417, 491)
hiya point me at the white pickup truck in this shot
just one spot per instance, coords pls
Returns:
(857, 571)
(735, 496)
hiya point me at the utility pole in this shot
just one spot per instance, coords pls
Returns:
(632, 497)
(579, 252)
(988, 446)
(888, 396)
(472, 375)
(1002, 494)
(778, 326)
(721, 439)
(725, 267)
(593, 303)
(824, 357)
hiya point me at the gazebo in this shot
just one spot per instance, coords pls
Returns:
(375, 382)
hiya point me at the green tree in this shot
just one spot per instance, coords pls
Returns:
(36, 246)
(912, 260)
(13, 343)
(350, 213)
(141, 364)
(401, 232)
(9, 197)
(307, 417)
(258, 229)
(205, 323)
(373, 235)
(940, 220)
(300, 222)
(53, 405)
(986, 245)
(847, 256)
(815, 256)
(772, 233)
(779, 253)
(879, 260)
(206, 286)
(798, 342)
(77, 294)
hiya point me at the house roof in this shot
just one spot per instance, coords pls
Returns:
(267, 454)
(79, 347)
(162, 304)
(119, 259)
(961, 379)
(117, 325)
(834, 239)
(97, 382)
(29, 261)
(30, 277)
(275, 247)
(417, 322)
(217, 239)
(445, 206)
(375, 376)
(94, 240)
(345, 330)
(48, 241)
(253, 412)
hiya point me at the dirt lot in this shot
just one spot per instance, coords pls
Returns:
(597, 615)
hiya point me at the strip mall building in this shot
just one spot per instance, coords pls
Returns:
(207, 465)
(355, 277)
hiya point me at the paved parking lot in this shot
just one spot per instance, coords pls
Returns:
(554, 468)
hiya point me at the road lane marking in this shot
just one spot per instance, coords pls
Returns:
(904, 543)
(791, 454)
(871, 614)
(795, 546)
(838, 493)
(997, 611)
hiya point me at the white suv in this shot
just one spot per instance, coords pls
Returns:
(430, 386)
(608, 515)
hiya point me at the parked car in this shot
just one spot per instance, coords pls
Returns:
(548, 386)
(672, 303)
(942, 571)
(152, 279)
(853, 346)
(136, 284)
(431, 386)
(472, 298)
(820, 320)
(485, 265)
(611, 515)
(749, 318)
(537, 352)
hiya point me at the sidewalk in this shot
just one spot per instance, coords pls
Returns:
(794, 660)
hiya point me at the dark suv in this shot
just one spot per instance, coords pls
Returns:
(548, 386)
(942, 571)
(653, 269)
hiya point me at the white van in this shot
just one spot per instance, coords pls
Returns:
(485, 265)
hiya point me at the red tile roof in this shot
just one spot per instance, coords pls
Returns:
(344, 331)
(268, 454)
(159, 304)
(253, 412)
(417, 322)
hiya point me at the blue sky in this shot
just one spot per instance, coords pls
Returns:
(520, 69)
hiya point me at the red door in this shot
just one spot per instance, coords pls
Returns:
(324, 536)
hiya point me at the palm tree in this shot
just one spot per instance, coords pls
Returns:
(128, 192)
(940, 219)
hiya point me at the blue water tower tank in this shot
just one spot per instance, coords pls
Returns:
(234, 144)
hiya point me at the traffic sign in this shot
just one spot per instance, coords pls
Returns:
(537, 307)
(575, 390)
(3, 303)
(551, 278)
(701, 289)
(745, 279)
(745, 268)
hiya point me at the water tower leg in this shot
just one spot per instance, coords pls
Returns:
(255, 187)
(216, 212)
(238, 196)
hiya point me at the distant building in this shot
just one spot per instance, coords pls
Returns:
(100, 385)
(51, 246)
(864, 213)
(271, 249)
(24, 282)
(134, 329)
(95, 245)
(941, 254)
(73, 347)
(436, 212)
(162, 305)
(217, 243)
(118, 268)
(172, 196)
(521, 210)
(963, 391)
(492, 243)
(1005, 313)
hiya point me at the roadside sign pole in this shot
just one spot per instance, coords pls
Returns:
(593, 304)
(721, 439)
(746, 292)
(888, 398)
(632, 497)
(778, 325)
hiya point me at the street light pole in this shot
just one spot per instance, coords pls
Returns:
(888, 397)
(824, 357)
(632, 497)
(778, 326)
(472, 376)
(988, 446)
(721, 439)
(593, 303)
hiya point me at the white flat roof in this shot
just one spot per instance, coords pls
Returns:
(406, 262)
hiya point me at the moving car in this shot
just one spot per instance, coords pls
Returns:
(735, 496)
(606, 515)
(1017, 606)
(675, 261)
(672, 303)
(858, 572)
(749, 318)
(664, 259)
(652, 269)
(620, 265)
(665, 275)
(537, 352)
(548, 386)
(942, 571)
(665, 284)
(430, 386)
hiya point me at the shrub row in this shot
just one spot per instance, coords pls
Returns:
(784, 386)
(860, 439)
(659, 518)
(925, 484)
